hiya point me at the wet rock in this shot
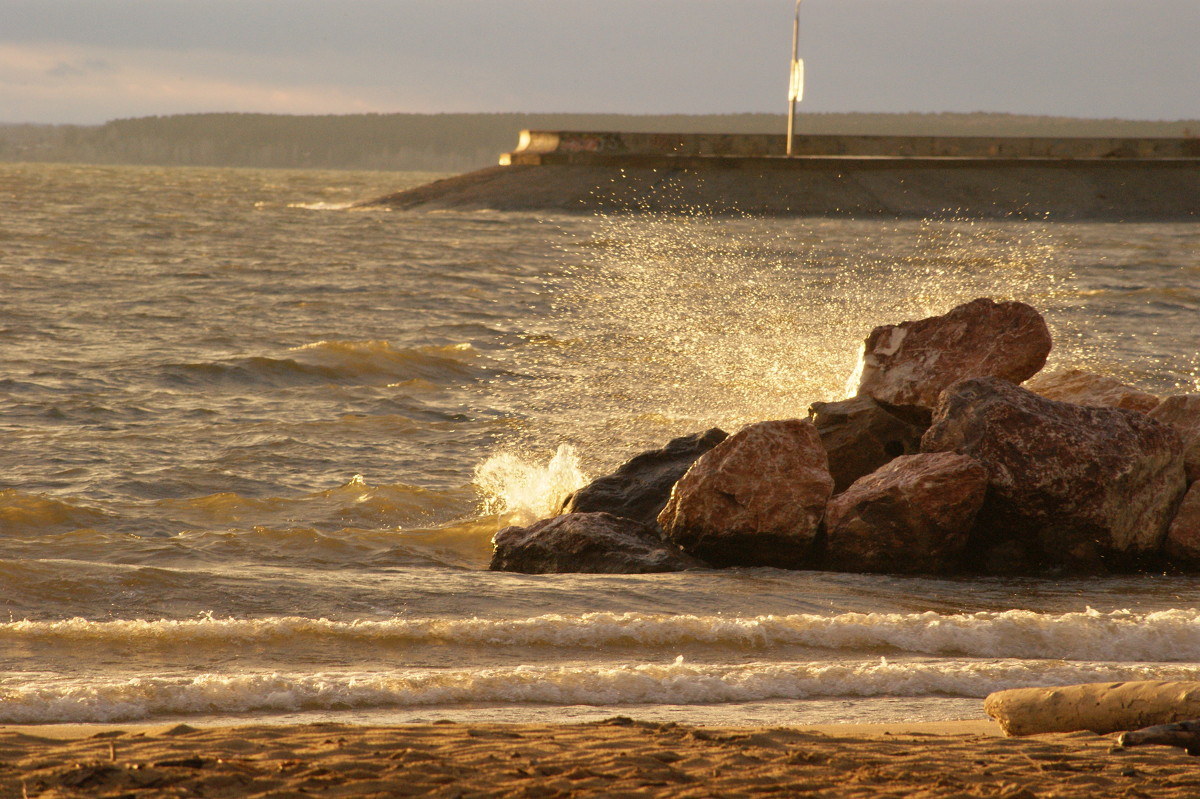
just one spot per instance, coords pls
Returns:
(640, 487)
(755, 499)
(860, 435)
(1182, 546)
(1087, 388)
(1070, 487)
(912, 516)
(1182, 413)
(595, 543)
(909, 364)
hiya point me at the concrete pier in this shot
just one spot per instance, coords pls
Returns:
(883, 176)
(546, 147)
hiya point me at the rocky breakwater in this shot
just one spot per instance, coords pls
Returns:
(941, 463)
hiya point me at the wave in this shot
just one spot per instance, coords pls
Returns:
(1118, 636)
(69, 529)
(347, 362)
(356, 503)
(22, 513)
(677, 683)
(322, 206)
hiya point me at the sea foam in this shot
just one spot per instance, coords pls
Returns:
(523, 490)
(674, 682)
(1117, 636)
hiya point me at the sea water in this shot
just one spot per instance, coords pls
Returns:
(254, 443)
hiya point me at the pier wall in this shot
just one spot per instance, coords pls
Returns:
(1108, 179)
(556, 146)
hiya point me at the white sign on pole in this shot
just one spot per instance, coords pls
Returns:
(796, 90)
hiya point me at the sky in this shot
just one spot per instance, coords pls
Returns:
(88, 61)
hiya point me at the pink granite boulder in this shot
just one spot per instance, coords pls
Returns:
(1070, 486)
(1087, 388)
(910, 363)
(1182, 546)
(913, 516)
(755, 499)
(595, 543)
(1182, 413)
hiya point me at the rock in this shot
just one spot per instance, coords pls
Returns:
(860, 435)
(913, 516)
(1069, 486)
(1086, 388)
(1182, 412)
(595, 543)
(1182, 546)
(909, 364)
(755, 499)
(640, 487)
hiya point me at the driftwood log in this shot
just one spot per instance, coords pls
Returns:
(1099, 707)
(1185, 735)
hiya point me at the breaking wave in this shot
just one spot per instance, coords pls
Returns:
(525, 491)
(348, 362)
(1118, 636)
(676, 682)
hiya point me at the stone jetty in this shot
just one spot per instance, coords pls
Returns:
(828, 175)
(956, 456)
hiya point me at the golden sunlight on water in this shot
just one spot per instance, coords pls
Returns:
(198, 363)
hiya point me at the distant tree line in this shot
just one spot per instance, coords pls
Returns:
(461, 142)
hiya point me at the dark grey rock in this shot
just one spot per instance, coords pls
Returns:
(640, 487)
(595, 543)
(860, 435)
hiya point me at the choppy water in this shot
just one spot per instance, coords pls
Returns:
(253, 446)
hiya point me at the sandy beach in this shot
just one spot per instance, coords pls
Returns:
(617, 757)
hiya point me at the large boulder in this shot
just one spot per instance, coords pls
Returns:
(1069, 486)
(913, 516)
(1088, 388)
(596, 543)
(755, 499)
(910, 363)
(640, 487)
(860, 435)
(1182, 546)
(1182, 413)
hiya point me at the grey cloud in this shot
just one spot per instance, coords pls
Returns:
(76, 69)
(1068, 57)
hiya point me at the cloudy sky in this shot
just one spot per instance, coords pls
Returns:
(88, 61)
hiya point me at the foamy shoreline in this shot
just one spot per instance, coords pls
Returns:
(616, 757)
(78, 731)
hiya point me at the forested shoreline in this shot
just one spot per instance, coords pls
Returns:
(462, 142)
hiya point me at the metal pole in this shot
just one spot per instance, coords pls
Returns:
(791, 125)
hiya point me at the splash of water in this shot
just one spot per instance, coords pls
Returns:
(664, 324)
(688, 320)
(524, 490)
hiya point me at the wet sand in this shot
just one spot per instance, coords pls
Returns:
(618, 757)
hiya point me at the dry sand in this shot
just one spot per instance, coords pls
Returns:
(614, 758)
